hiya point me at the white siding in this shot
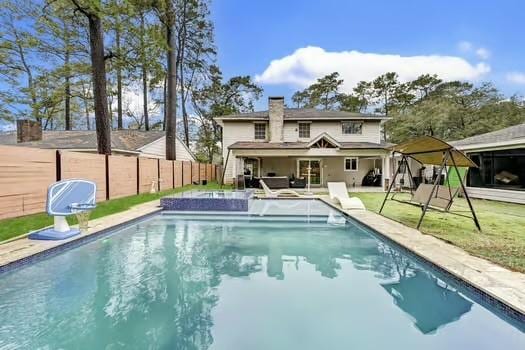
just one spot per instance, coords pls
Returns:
(231, 133)
(244, 131)
(371, 131)
(157, 149)
(497, 194)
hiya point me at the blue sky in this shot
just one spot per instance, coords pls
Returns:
(467, 40)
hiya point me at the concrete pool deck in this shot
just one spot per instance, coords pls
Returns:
(20, 248)
(504, 285)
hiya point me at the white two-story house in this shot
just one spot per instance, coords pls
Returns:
(292, 143)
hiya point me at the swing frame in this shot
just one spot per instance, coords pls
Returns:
(432, 151)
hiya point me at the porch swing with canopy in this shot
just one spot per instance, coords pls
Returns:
(432, 151)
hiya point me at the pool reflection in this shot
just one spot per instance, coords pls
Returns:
(160, 284)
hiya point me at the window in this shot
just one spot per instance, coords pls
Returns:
(351, 164)
(304, 130)
(352, 127)
(260, 131)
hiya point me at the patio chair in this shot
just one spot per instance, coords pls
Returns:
(279, 193)
(339, 194)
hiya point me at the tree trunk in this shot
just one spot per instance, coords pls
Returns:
(164, 94)
(67, 107)
(181, 41)
(183, 106)
(98, 67)
(144, 75)
(67, 83)
(119, 81)
(145, 96)
(171, 93)
(67, 93)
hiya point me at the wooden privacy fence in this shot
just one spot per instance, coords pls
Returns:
(26, 173)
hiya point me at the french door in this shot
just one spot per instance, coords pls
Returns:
(315, 170)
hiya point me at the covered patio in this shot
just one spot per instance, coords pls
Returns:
(281, 167)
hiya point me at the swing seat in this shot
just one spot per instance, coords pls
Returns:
(442, 198)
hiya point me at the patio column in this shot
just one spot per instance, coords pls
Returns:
(386, 170)
(234, 169)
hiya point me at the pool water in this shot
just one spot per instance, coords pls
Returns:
(243, 282)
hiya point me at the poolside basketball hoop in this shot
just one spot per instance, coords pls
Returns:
(66, 198)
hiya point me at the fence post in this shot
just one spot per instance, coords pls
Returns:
(107, 177)
(58, 166)
(158, 175)
(138, 176)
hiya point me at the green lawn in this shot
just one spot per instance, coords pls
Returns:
(10, 228)
(502, 239)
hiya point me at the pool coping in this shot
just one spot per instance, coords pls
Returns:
(496, 285)
(22, 251)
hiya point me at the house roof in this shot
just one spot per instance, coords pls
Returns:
(305, 114)
(124, 140)
(304, 145)
(510, 134)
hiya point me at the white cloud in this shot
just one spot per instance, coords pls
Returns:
(465, 46)
(516, 77)
(305, 65)
(468, 47)
(483, 53)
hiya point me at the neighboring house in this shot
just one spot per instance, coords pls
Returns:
(285, 142)
(123, 142)
(500, 156)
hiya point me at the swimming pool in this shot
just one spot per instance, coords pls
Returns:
(289, 274)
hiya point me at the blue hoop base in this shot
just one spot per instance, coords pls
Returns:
(51, 235)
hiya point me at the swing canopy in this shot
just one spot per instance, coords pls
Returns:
(431, 150)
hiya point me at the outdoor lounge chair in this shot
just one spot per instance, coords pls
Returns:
(339, 194)
(278, 193)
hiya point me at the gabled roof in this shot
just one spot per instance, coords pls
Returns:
(514, 133)
(324, 136)
(305, 114)
(124, 140)
(305, 145)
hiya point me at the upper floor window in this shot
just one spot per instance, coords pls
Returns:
(352, 127)
(304, 130)
(259, 131)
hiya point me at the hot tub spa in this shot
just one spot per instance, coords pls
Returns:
(208, 201)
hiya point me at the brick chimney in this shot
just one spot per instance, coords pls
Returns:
(28, 130)
(276, 116)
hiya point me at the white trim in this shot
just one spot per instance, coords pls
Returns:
(255, 124)
(163, 137)
(326, 136)
(499, 145)
(356, 165)
(309, 123)
(320, 160)
(352, 121)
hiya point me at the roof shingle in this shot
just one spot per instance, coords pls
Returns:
(126, 140)
(507, 134)
(306, 114)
